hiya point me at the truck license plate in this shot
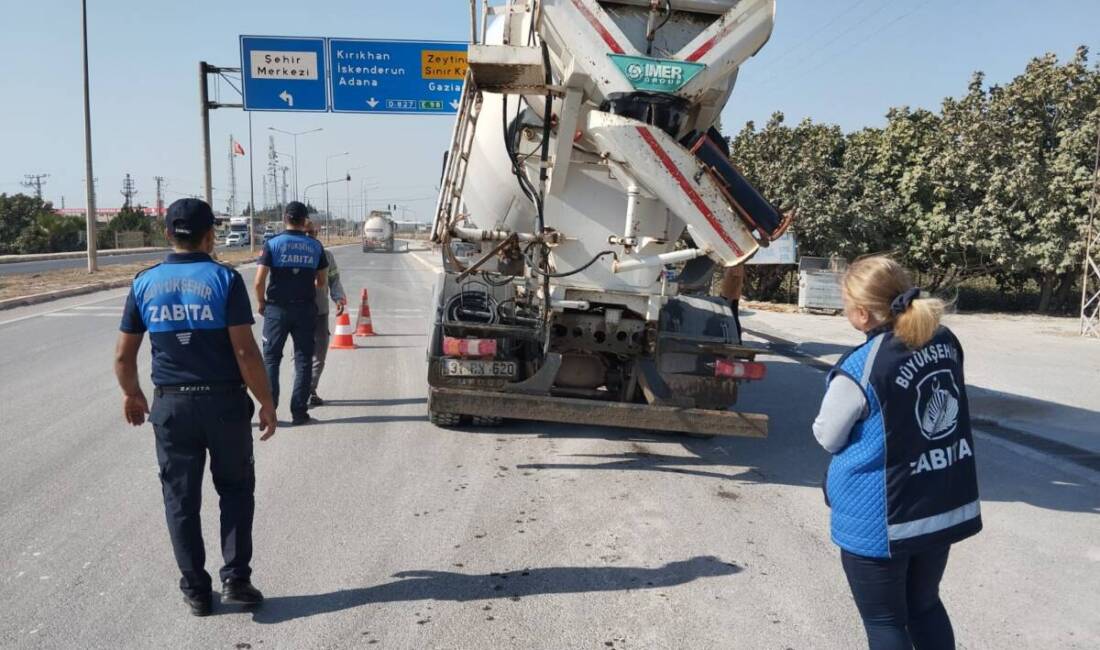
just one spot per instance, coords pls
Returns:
(472, 368)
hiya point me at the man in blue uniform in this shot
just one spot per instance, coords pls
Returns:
(290, 272)
(199, 321)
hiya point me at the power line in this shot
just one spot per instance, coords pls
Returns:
(823, 29)
(824, 61)
(813, 54)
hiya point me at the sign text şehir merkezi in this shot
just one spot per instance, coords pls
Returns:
(284, 74)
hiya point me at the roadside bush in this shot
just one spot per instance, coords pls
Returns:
(995, 187)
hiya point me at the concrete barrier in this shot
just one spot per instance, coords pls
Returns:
(45, 257)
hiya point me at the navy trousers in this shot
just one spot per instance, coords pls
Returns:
(899, 599)
(298, 321)
(187, 426)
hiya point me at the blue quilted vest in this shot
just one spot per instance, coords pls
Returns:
(906, 480)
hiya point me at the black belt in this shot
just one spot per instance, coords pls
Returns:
(198, 389)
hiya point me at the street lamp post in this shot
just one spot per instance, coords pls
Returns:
(328, 213)
(295, 136)
(326, 183)
(90, 212)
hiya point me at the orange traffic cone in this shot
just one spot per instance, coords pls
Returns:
(364, 326)
(343, 337)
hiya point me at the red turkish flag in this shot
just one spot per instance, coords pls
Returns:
(238, 150)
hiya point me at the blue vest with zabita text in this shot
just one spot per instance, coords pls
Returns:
(906, 480)
(293, 259)
(186, 304)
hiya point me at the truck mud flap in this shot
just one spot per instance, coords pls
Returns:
(598, 413)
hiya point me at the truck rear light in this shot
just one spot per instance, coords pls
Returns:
(739, 369)
(456, 347)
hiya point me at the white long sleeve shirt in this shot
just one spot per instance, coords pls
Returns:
(844, 405)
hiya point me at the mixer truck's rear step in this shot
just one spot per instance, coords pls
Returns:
(481, 403)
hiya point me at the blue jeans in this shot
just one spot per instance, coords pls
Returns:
(899, 599)
(298, 321)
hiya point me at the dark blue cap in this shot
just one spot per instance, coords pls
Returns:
(189, 218)
(296, 211)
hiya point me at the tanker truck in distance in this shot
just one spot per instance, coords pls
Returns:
(378, 232)
(585, 170)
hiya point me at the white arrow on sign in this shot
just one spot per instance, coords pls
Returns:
(288, 98)
(454, 104)
(372, 102)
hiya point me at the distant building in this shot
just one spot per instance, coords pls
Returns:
(105, 215)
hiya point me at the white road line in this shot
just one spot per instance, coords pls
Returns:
(431, 267)
(82, 315)
(114, 296)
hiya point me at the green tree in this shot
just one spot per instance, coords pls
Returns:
(128, 219)
(18, 213)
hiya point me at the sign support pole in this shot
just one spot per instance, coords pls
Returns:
(204, 113)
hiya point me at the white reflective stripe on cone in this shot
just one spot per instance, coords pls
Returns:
(344, 329)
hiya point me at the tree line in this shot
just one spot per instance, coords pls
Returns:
(996, 184)
(30, 225)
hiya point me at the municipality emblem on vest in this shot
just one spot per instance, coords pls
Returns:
(937, 405)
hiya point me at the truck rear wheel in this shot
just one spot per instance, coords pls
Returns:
(446, 420)
(486, 421)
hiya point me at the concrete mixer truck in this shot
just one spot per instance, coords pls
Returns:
(586, 169)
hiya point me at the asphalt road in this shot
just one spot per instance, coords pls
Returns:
(80, 262)
(375, 529)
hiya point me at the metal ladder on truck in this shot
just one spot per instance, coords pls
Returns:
(448, 207)
(503, 69)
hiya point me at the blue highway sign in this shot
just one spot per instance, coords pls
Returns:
(396, 76)
(284, 73)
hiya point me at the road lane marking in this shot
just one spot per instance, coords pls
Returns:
(431, 267)
(115, 295)
(81, 315)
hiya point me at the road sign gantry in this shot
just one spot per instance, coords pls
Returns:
(352, 75)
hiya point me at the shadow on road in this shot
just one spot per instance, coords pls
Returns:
(514, 585)
(789, 455)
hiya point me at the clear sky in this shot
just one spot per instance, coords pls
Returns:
(842, 61)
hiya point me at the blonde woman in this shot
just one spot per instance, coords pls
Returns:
(902, 483)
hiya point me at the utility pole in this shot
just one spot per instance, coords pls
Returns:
(273, 169)
(128, 191)
(251, 191)
(285, 170)
(1090, 279)
(160, 195)
(35, 181)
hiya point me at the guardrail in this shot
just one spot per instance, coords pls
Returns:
(43, 257)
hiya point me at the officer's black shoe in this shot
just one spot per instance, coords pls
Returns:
(200, 605)
(315, 400)
(241, 592)
(299, 420)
